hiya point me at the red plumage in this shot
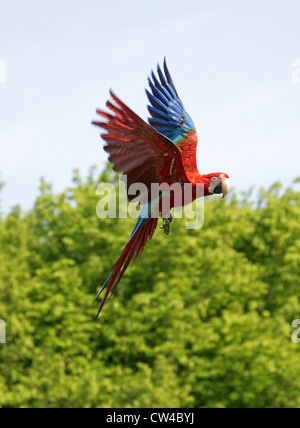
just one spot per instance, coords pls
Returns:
(133, 248)
(146, 155)
(138, 150)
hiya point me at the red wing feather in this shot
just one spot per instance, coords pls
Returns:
(134, 247)
(138, 150)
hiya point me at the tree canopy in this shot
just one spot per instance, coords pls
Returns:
(202, 320)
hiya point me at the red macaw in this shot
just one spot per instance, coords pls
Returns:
(162, 152)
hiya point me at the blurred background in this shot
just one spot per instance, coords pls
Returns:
(204, 318)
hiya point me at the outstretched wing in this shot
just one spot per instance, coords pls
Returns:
(138, 150)
(169, 117)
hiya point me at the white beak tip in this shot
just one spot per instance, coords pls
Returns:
(225, 187)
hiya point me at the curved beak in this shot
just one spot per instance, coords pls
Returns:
(225, 187)
(222, 187)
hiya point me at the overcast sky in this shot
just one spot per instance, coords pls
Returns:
(231, 61)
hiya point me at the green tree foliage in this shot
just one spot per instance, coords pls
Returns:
(202, 320)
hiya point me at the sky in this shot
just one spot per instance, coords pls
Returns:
(236, 66)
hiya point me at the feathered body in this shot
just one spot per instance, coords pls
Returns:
(161, 152)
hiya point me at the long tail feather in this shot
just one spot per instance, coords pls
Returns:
(142, 233)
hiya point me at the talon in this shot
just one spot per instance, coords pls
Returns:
(167, 222)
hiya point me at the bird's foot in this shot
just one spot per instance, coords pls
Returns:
(167, 222)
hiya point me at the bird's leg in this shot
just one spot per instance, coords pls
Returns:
(167, 222)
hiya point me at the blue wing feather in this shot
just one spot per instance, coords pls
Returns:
(155, 101)
(169, 78)
(168, 115)
(163, 97)
(157, 113)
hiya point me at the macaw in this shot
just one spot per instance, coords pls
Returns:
(163, 151)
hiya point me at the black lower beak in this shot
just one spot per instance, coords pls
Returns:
(218, 189)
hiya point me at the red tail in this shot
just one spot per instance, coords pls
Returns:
(141, 234)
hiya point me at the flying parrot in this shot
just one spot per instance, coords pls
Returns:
(161, 152)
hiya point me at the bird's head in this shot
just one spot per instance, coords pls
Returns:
(217, 183)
